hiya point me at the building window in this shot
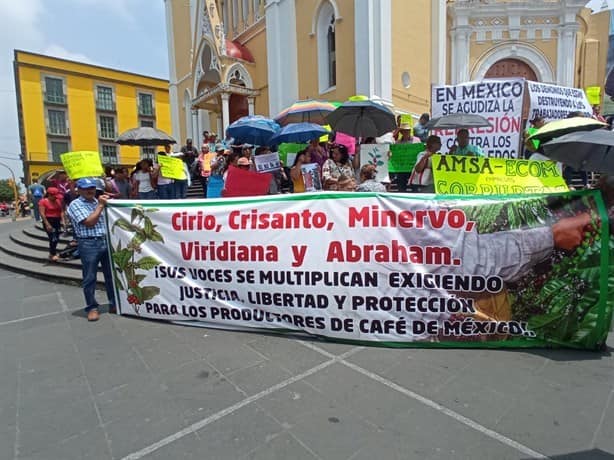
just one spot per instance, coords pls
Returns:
(58, 148)
(147, 123)
(146, 105)
(327, 58)
(109, 154)
(54, 90)
(104, 98)
(107, 127)
(57, 122)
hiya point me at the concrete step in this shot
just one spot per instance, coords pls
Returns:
(24, 249)
(56, 272)
(38, 254)
(34, 234)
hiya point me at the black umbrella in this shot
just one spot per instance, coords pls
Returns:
(457, 121)
(144, 137)
(584, 150)
(362, 119)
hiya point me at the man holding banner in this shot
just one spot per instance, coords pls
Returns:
(87, 216)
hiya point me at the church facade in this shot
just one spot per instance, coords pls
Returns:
(230, 58)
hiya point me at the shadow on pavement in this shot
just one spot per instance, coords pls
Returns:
(593, 454)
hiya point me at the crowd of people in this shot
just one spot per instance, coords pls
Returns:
(76, 206)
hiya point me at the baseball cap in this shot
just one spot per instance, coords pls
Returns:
(86, 182)
(242, 162)
(219, 147)
(53, 191)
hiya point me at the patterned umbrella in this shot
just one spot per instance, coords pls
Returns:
(309, 111)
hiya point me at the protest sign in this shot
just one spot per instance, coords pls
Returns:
(403, 157)
(267, 162)
(171, 168)
(553, 102)
(286, 148)
(469, 175)
(407, 119)
(593, 94)
(207, 159)
(82, 164)
(499, 101)
(390, 269)
(241, 182)
(311, 177)
(377, 155)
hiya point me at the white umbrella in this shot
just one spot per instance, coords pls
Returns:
(597, 6)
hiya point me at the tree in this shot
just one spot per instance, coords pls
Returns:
(6, 190)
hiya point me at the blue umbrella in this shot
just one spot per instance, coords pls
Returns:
(253, 129)
(362, 119)
(298, 132)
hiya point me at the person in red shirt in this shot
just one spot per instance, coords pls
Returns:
(51, 209)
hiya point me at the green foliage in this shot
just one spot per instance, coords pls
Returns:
(142, 229)
(6, 191)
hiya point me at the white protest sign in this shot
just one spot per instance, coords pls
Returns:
(377, 155)
(499, 101)
(554, 102)
(267, 162)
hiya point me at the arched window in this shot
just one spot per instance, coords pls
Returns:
(327, 61)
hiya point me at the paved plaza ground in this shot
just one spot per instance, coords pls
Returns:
(126, 388)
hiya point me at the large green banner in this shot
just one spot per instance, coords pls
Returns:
(382, 269)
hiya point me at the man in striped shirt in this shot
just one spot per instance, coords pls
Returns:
(87, 216)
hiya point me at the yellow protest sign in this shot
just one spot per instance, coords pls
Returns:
(82, 164)
(471, 175)
(406, 118)
(171, 168)
(593, 94)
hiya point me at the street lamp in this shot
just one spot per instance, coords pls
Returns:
(14, 191)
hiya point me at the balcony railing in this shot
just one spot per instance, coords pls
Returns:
(107, 134)
(54, 98)
(146, 111)
(58, 131)
(106, 106)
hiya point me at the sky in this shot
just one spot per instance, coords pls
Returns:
(126, 35)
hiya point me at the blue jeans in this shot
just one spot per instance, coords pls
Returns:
(147, 195)
(166, 191)
(35, 200)
(181, 189)
(93, 252)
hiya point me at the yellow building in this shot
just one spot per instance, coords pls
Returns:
(230, 58)
(69, 106)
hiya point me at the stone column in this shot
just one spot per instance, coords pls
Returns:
(225, 111)
(250, 105)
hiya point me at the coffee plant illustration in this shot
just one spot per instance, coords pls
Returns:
(376, 157)
(128, 263)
